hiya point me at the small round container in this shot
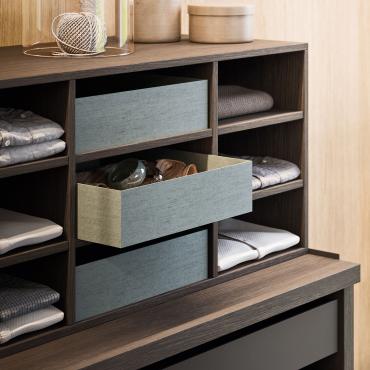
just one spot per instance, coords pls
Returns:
(157, 21)
(221, 24)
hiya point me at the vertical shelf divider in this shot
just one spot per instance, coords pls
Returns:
(71, 202)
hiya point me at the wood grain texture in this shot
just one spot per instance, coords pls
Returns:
(153, 334)
(19, 70)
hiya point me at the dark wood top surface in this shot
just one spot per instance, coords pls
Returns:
(17, 69)
(158, 332)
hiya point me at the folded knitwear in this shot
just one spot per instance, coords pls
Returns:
(268, 171)
(19, 296)
(234, 101)
(28, 153)
(244, 237)
(19, 230)
(232, 252)
(20, 127)
(29, 322)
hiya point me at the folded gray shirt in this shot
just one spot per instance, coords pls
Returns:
(21, 127)
(19, 296)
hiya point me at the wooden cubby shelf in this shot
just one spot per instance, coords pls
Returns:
(169, 312)
(41, 165)
(278, 189)
(33, 252)
(132, 148)
(252, 121)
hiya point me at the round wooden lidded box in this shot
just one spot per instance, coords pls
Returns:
(157, 21)
(221, 24)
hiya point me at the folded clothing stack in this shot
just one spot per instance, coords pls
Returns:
(25, 137)
(19, 230)
(234, 101)
(241, 241)
(268, 171)
(25, 307)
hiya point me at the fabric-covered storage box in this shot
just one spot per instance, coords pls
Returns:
(221, 189)
(150, 108)
(129, 277)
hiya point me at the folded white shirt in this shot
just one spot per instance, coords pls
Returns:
(29, 322)
(265, 240)
(19, 230)
(232, 252)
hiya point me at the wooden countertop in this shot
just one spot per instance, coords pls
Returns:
(17, 69)
(155, 333)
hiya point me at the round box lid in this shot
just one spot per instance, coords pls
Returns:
(221, 10)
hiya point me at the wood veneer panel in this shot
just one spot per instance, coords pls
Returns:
(17, 69)
(150, 335)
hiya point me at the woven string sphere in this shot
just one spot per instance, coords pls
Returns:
(79, 33)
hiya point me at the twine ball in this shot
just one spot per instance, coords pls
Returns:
(79, 33)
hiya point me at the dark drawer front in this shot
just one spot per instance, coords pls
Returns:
(288, 345)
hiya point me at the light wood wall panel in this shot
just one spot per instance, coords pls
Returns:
(338, 32)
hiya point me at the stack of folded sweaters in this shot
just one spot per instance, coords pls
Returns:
(20, 230)
(25, 137)
(241, 241)
(25, 307)
(234, 101)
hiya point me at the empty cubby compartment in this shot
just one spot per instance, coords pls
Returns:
(129, 109)
(107, 279)
(221, 189)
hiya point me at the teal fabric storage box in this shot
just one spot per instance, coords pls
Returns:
(222, 189)
(143, 110)
(129, 277)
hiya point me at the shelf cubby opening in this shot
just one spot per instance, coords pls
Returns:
(282, 211)
(144, 272)
(41, 194)
(280, 75)
(49, 100)
(52, 272)
(142, 110)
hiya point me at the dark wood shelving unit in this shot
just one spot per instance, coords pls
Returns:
(152, 330)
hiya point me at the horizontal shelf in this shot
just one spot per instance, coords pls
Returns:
(252, 121)
(271, 260)
(278, 189)
(152, 334)
(126, 149)
(35, 166)
(30, 253)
